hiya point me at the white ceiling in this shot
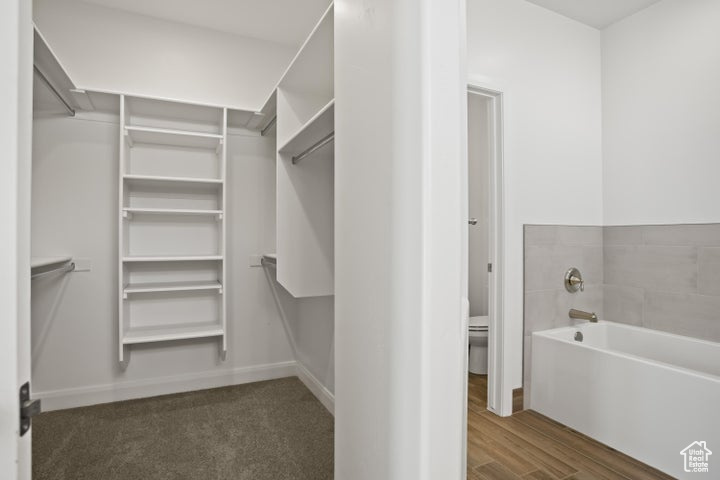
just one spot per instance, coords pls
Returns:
(282, 21)
(596, 13)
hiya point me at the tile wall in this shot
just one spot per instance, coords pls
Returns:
(549, 252)
(664, 277)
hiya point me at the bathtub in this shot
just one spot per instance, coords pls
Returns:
(643, 392)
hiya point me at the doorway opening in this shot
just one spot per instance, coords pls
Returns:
(485, 247)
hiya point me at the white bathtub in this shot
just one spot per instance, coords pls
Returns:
(646, 393)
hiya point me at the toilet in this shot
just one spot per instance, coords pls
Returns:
(478, 339)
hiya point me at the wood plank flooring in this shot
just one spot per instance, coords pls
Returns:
(530, 446)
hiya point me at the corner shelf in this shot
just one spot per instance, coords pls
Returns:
(169, 137)
(164, 333)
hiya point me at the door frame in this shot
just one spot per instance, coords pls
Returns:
(499, 394)
(16, 81)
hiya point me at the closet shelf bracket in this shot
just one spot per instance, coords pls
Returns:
(128, 138)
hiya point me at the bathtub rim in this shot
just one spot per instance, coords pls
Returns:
(548, 334)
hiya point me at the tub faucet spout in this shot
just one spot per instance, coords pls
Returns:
(579, 314)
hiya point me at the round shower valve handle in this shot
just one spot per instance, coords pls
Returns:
(574, 280)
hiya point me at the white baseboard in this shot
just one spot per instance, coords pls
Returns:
(127, 390)
(325, 396)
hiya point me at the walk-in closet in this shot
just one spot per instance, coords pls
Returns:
(183, 248)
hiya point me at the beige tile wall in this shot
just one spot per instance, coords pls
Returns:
(664, 277)
(549, 252)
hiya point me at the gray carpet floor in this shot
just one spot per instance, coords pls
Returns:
(267, 430)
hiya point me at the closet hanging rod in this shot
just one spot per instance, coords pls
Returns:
(69, 109)
(63, 269)
(315, 147)
(268, 126)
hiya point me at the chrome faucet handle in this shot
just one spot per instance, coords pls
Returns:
(577, 281)
(574, 281)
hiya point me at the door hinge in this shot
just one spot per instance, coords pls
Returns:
(489, 267)
(28, 409)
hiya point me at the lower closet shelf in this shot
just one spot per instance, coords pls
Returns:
(162, 333)
(174, 258)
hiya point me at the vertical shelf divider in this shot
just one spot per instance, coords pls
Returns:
(122, 188)
(223, 235)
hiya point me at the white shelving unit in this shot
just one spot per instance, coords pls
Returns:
(172, 198)
(305, 109)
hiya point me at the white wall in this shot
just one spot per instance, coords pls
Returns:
(314, 338)
(111, 50)
(74, 212)
(479, 118)
(661, 115)
(548, 67)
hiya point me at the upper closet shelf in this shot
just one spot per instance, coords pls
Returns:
(312, 134)
(169, 137)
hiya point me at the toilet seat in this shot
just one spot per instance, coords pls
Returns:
(478, 343)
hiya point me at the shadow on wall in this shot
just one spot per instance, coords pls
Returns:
(309, 326)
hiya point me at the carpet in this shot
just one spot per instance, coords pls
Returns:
(266, 430)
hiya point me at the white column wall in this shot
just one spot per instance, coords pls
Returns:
(400, 213)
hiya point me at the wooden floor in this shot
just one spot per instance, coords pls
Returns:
(530, 446)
